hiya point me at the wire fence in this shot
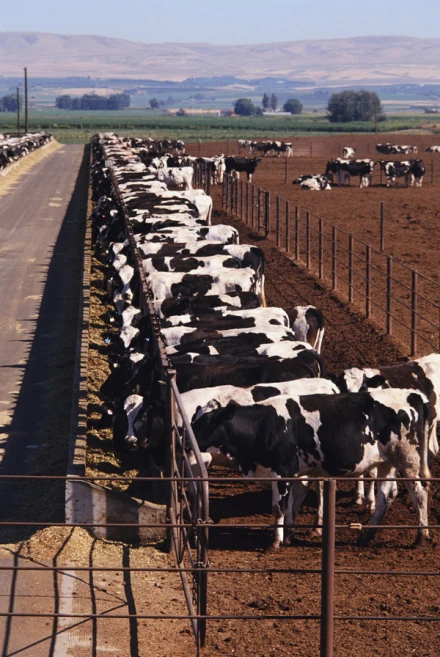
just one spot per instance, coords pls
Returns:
(398, 298)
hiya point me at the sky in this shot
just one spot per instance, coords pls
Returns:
(225, 21)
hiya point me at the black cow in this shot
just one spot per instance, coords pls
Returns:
(242, 164)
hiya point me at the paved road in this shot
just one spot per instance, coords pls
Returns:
(42, 222)
(34, 231)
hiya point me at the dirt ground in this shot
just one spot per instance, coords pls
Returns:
(350, 341)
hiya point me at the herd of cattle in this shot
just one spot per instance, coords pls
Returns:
(13, 148)
(412, 171)
(252, 379)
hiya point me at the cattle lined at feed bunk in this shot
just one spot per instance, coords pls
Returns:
(14, 148)
(283, 417)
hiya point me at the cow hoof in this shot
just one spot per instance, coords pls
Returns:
(364, 539)
(422, 541)
(272, 549)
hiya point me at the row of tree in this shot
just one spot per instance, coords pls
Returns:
(341, 107)
(245, 107)
(93, 102)
(9, 103)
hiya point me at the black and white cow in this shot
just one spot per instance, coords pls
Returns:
(344, 169)
(171, 284)
(411, 170)
(313, 182)
(237, 165)
(307, 323)
(325, 435)
(348, 152)
(432, 149)
(395, 149)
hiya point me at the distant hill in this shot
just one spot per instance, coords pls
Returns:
(359, 60)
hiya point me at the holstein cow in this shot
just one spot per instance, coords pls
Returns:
(346, 168)
(325, 435)
(421, 374)
(348, 152)
(314, 183)
(307, 323)
(170, 284)
(237, 165)
(432, 149)
(395, 149)
(205, 400)
(176, 177)
(411, 170)
(219, 233)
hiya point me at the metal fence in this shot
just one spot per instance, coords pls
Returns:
(398, 298)
(185, 528)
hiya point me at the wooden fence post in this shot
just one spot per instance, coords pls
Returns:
(278, 210)
(382, 220)
(368, 280)
(308, 255)
(252, 206)
(350, 268)
(389, 294)
(296, 233)
(414, 295)
(287, 227)
(267, 213)
(321, 249)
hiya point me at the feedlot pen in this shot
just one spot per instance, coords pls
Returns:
(247, 589)
(256, 602)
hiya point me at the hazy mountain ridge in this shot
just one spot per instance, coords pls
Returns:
(390, 59)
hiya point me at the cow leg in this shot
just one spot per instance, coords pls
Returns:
(383, 499)
(419, 495)
(297, 493)
(360, 491)
(278, 512)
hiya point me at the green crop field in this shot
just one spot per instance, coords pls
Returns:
(78, 126)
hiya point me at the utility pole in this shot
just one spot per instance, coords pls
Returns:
(18, 111)
(26, 124)
(375, 116)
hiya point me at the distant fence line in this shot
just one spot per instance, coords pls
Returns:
(398, 298)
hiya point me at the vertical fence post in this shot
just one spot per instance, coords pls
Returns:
(208, 180)
(368, 280)
(334, 253)
(247, 202)
(287, 227)
(296, 233)
(328, 569)
(241, 199)
(389, 294)
(267, 213)
(278, 210)
(320, 248)
(259, 194)
(308, 255)
(252, 206)
(414, 295)
(350, 268)
(223, 192)
(382, 217)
